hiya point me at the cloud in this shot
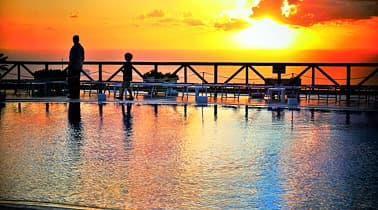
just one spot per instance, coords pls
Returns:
(309, 12)
(225, 22)
(158, 17)
(194, 22)
(74, 15)
(50, 28)
(229, 24)
(156, 13)
(187, 14)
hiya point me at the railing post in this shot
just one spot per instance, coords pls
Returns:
(185, 74)
(18, 72)
(313, 76)
(100, 72)
(215, 79)
(18, 78)
(215, 73)
(100, 77)
(246, 75)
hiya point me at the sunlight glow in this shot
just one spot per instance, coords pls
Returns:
(288, 9)
(267, 34)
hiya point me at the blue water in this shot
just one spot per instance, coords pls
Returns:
(187, 157)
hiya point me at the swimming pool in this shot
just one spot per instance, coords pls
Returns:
(187, 157)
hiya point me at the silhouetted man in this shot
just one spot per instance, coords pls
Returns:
(74, 68)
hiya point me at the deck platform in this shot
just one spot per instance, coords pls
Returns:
(306, 100)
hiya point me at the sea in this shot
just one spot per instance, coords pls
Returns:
(250, 56)
(221, 55)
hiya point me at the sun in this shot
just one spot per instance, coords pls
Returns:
(266, 34)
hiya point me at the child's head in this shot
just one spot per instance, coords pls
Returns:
(128, 56)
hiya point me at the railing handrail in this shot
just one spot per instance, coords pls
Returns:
(356, 64)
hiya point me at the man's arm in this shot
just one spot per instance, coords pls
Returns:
(82, 54)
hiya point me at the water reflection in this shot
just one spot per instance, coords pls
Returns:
(312, 111)
(215, 112)
(156, 110)
(246, 113)
(47, 107)
(75, 130)
(347, 117)
(127, 119)
(185, 111)
(125, 156)
(101, 112)
(2, 105)
(292, 119)
(278, 115)
(74, 115)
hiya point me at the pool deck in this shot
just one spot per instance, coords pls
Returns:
(242, 100)
(13, 205)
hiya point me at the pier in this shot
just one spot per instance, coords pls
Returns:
(321, 81)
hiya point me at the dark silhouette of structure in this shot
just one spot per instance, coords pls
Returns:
(75, 66)
(74, 114)
(3, 67)
(74, 143)
(361, 88)
(127, 118)
(127, 76)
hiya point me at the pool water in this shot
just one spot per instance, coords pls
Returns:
(132, 156)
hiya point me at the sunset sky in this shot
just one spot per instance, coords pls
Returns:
(190, 25)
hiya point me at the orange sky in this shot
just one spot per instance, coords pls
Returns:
(195, 24)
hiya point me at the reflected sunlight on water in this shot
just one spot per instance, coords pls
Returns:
(178, 156)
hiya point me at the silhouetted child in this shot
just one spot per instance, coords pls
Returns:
(127, 76)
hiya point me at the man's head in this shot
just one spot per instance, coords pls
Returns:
(75, 39)
(128, 56)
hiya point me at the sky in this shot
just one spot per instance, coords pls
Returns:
(190, 25)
